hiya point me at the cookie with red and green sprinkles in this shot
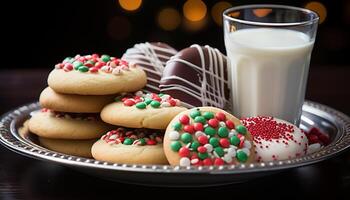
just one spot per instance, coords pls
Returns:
(130, 146)
(96, 75)
(142, 110)
(207, 136)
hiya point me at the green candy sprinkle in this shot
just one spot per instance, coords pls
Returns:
(234, 140)
(175, 146)
(117, 99)
(195, 113)
(203, 156)
(160, 94)
(128, 141)
(241, 156)
(143, 141)
(141, 105)
(155, 104)
(186, 138)
(71, 60)
(200, 119)
(148, 101)
(208, 115)
(214, 142)
(177, 126)
(195, 145)
(83, 69)
(219, 151)
(241, 129)
(77, 64)
(223, 132)
(90, 62)
(210, 131)
(105, 58)
(67, 59)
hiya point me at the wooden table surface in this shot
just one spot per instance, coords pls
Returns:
(26, 178)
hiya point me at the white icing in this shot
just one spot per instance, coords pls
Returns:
(144, 55)
(210, 92)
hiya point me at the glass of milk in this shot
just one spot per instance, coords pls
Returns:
(269, 50)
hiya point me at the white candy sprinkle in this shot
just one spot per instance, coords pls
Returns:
(215, 154)
(209, 147)
(165, 96)
(116, 71)
(174, 135)
(113, 65)
(139, 93)
(222, 124)
(205, 125)
(247, 144)
(227, 158)
(113, 137)
(185, 162)
(165, 104)
(194, 161)
(178, 102)
(231, 151)
(313, 148)
(232, 133)
(105, 68)
(246, 151)
(199, 133)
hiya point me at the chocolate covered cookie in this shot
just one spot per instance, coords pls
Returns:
(151, 57)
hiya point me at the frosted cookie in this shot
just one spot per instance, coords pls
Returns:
(71, 147)
(275, 139)
(207, 136)
(138, 146)
(151, 57)
(72, 102)
(142, 110)
(95, 75)
(57, 125)
(198, 76)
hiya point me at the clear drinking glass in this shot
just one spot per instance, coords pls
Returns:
(269, 50)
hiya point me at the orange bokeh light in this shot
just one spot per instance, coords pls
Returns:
(319, 8)
(130, 5)
(216, 11)
(194, 10)
(169, 19)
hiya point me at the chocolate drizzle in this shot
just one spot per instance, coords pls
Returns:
(151, 57)
(198, 76)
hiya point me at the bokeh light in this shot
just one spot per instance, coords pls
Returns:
(169, 19)
(262, 12)
(193, 26)
(319, 8)
(217, 9)
(130, 5)
(119, 28)
(194, 10)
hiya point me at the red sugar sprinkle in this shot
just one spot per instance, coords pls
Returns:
(230, 124)
(207, 162)
(218, 161)
(225, 143)
(189, 128)
(266, 128)
(202, 139)
(213, 123)
(184, 119)
(184, 152)
(220, 116)
(198, 126)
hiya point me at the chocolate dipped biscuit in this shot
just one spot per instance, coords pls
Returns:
(151, 57)
(198, 76)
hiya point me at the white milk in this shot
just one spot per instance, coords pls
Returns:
(269, 69)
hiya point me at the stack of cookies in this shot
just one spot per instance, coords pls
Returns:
(79, 88)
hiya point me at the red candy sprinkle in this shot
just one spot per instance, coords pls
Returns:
(202, 139)
(129, 102)
(220, 116)
(189, 128)
(218, 161)
(213, 123)
(224, 143)
(184, 119)
(172, 102)
(94, 69)
(198, 126)
(184, 152)
(230, 124)
(207, 162)
(99, 64)
(201, 149)
(151, 142)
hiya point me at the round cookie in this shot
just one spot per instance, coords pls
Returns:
(139, 146)
(50, 124)
(142, 110)
(72, 102)
(198, 76)
(71, 147)
(151, 57)
(207, 136)
(94, 75)
(276, 139)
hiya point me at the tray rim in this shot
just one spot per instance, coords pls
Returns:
(9, 138)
